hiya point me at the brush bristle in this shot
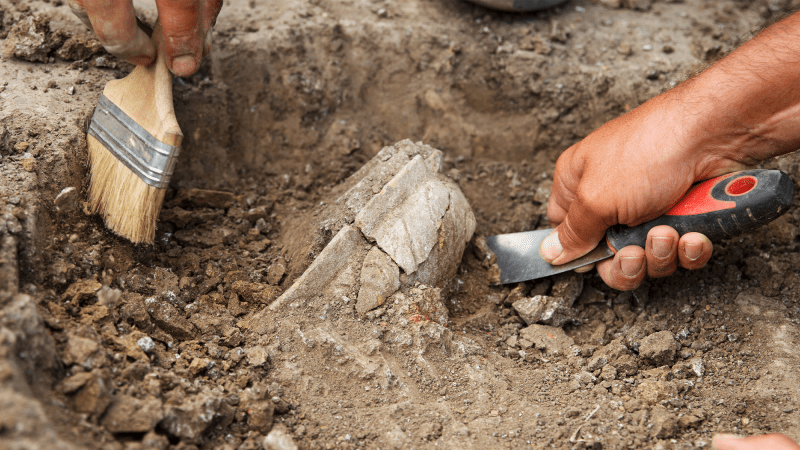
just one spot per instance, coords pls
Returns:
(129, 206)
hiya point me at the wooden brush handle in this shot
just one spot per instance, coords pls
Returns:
(145, 95)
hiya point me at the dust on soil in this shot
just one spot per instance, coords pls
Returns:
(294, 99)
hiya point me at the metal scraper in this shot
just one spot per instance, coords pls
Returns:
(719, 208)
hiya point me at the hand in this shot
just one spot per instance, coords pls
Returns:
(186, 25)
(739, 112)
(767, 441)
(631, 170)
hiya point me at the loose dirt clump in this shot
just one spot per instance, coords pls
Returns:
(104, 344)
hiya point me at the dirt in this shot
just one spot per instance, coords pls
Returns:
(104, 344)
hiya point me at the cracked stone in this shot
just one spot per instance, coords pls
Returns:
(404, 218)
(544, 309)
(380, 278)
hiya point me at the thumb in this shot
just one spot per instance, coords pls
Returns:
(767, 441)
(582, 228)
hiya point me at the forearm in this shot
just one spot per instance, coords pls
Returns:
(746, 107)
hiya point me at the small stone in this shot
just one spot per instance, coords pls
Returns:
(94, 395)
(169, 318)
(663, 423)
(611, 352)
(132, 415)
(85, 352)
(568, 286)
(276, 271)
(553, 311)
(659, 347)
(257, 355)
(697, 366)
(608, 373)
(200, 365)
(21, 146)
(146, 344)
(279, 439)
(380, 278)
(625, 49)
(690, 421)
(550, 339)
(28, 162)
(189, 419)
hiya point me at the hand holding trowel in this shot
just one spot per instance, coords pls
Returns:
(721, 207)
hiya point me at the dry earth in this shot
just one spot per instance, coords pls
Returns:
(108, 345)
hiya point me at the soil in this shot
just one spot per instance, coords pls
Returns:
(104, 344)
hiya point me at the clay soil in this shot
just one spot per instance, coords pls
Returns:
(104, 344)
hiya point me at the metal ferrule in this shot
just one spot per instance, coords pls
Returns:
(152, 160)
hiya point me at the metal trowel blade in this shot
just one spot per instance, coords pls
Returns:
(519, 260)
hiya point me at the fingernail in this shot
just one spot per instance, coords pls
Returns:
(662, 247)
(632, 265)
(693, 251)
(720, 440)
(551, 247)
(184, 65)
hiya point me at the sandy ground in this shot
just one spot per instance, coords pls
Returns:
(294, 99)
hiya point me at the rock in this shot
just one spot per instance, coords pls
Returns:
(279, 439)
(67, 200)
(380, 278)
(344, 250)
(398, 201)
(146, 344)
(169, 318)
(609, 373)
(257, 356)
(568, 286)
(690, 421)
(78, 48)
(654, 391)
(552, 340)
(132, 415)
(543, 309)
(610, 352)
(276, 270)
(260, 409)
(697, 366)
(254, 293)
(84, 351)
(81, 290)
(30, 39)
(404, 218)
(639, 330)
(663, 424)
(196, 414)
(94, 393)
(660, 348)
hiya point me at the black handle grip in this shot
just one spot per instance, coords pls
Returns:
(721, 207)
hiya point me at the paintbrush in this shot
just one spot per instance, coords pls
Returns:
(134, 141)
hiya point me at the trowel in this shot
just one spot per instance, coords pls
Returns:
(722, 207)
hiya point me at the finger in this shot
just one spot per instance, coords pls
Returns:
(208, 14)
(694, 251)
(626, 270)
(77, 8)
(181, 26)
(661, 251)
(580, 232)
(767, 441)
(114, 23)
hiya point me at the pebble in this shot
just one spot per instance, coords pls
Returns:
(659, 347)
(146, 344)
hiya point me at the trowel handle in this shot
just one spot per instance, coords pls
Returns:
(722, 207)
